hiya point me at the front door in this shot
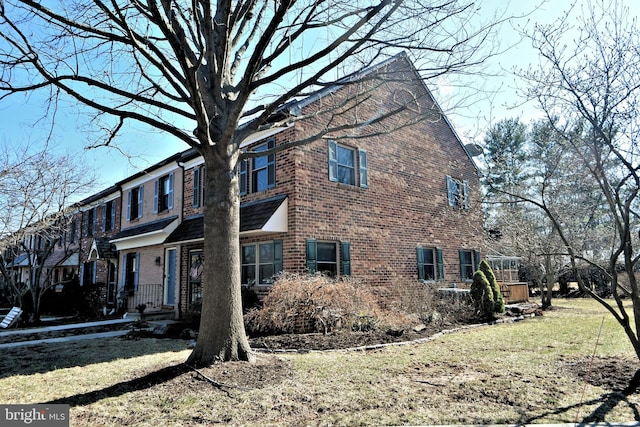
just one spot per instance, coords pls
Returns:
(170, 277)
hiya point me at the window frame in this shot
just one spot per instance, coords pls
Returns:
(269, 167)
(437, 255)
(475, 262)
(198, 186)
(360, 168)
(163, 193)
(458, 193)
(343, 256)
(109, 215)
(135, 206)
(275, 262)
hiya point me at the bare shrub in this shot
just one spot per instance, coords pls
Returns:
(314, 303)
(431, 306)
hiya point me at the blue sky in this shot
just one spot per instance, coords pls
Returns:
(71, 133)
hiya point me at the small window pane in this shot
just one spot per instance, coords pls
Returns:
(248, 254)
(248, 274)
(326, 252)
(266, 273)
(266, 253)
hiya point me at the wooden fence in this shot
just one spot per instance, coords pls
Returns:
(515, 292)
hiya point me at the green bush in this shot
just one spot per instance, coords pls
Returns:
(482, 295)
(498, 300)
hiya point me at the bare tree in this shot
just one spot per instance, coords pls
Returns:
(197, 69)
(591, 77)
(36, 194)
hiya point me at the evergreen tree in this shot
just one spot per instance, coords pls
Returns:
(482, 295)
(498, 306)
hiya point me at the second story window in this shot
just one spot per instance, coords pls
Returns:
(109, 215)
(457, 193)
(348, 165)
(91, 221)
(198, 186)
(259, 173)
(134, 203)
(163, 197)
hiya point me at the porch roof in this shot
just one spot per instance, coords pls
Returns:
(150, 233)
(259, 217)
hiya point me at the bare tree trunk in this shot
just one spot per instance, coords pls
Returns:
(222, 335)
(547, 294)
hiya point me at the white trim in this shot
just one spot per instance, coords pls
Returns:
(277, 223)
(148, 239)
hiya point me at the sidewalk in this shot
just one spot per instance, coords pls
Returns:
(74, 337)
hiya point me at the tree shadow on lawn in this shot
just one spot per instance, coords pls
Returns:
(607, 401)
(142, 383)
(42, 358)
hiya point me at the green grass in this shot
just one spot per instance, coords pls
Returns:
(508, 373)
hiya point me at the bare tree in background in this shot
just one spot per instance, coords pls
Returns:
(193, 69)
(36, 194)
(591, 80)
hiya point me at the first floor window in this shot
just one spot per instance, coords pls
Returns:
(130, 276)
(469, 261)
(260, 262)
(430, 264)
(325, 258)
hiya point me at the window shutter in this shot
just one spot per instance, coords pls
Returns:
(155, 195)
(345, 252)
(420, 256)
(137, 275)
(440, 260)
(312, 255)
(93, 272)
(104, 216)
(124, 272)
(243, 178)
(140, 200)
(129, 205)
(333, 161)
(196, 187)
(465, 192)
(476, 260)
(271, 165)
(170, 203)
(113, 214)
(364, 168)
(277, 256)
(451, 191)
(461, 260)
(82, 274)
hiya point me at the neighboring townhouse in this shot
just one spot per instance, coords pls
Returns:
(392, 209)
(99, 221)
(151, 210)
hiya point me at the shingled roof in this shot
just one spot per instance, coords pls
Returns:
(253, 217)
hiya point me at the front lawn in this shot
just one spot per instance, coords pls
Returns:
(536, 371)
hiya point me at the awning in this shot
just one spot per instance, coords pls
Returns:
(259, 217)
(150, 233)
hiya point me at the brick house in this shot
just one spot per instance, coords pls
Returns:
(98, 221)
(397, 209)
(392, 209)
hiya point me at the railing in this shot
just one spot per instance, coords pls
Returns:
(149, 295)
(515, 292)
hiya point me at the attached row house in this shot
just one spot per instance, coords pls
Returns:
(393, 209)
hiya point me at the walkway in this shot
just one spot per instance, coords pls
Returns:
(68, 338)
